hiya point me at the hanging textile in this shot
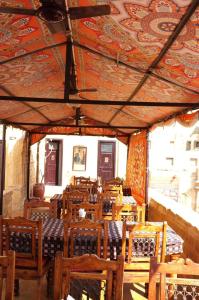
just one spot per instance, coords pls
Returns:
(137, 166)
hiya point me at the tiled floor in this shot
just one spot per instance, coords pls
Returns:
(28, 291)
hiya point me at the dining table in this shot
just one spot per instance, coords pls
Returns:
(53, 239)
(107, 205)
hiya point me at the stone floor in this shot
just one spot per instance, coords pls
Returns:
(28, 291)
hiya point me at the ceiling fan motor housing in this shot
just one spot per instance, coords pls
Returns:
(52, 11)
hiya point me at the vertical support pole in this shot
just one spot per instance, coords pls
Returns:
(68, 68)
(28, 167)
(147, 176)
(3, 168)
(37, 166)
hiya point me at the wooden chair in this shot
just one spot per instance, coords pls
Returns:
(35, 209)
(73, 197)
(7, 271)
(139, 243)
(85, 237)
(107, 199)
(90, 268)
(175, 280)
(128, 212)
(25, 237)
(93, 211)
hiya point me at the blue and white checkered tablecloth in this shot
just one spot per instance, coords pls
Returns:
(53, 238)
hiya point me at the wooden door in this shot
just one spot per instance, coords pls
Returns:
(106, 160)
(52, 162)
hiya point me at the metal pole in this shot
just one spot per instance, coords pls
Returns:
(147, 176)
(3, 168)
(28, 168)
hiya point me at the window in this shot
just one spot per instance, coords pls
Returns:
(188, 145)
(169, 161)
(193, 162)
(196, 145)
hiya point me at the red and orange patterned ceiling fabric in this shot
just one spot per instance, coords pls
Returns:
(35, 137)
(137, 166)
(129, 41)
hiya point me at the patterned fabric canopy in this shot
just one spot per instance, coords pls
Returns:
(145, 50)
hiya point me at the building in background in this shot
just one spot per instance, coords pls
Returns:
(174, 163)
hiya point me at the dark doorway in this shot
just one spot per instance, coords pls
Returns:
(106, 160)
(53, 164)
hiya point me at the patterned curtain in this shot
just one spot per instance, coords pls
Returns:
(188, 120)
(137, 166)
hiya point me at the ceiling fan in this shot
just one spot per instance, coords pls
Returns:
(55, 11)
(78, 116)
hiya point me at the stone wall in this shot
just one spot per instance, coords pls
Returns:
(188, 232)
(15, 172)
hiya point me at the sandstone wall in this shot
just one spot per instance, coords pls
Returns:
(189, 233)
(15, 172)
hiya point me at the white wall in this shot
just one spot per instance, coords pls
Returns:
(91, 162)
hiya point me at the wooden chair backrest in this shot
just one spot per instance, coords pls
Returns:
(80, 179)
(93, 211)
(115, 188)
(85, 229)
(149, 232)
(114, 181)
(73, 197)
(88, 267)
(7, 271)
(110, 196)
(128, 212)
(39, 209)
(29, 234)
(176, 279)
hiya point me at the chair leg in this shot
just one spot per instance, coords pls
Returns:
(49, 278)
(16, 287)
(146, 289)
(39, 288)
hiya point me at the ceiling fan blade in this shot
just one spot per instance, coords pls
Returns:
(18, 11)
(87, 90)
(89, 11)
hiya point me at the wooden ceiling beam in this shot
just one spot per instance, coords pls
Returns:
(100, 102)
